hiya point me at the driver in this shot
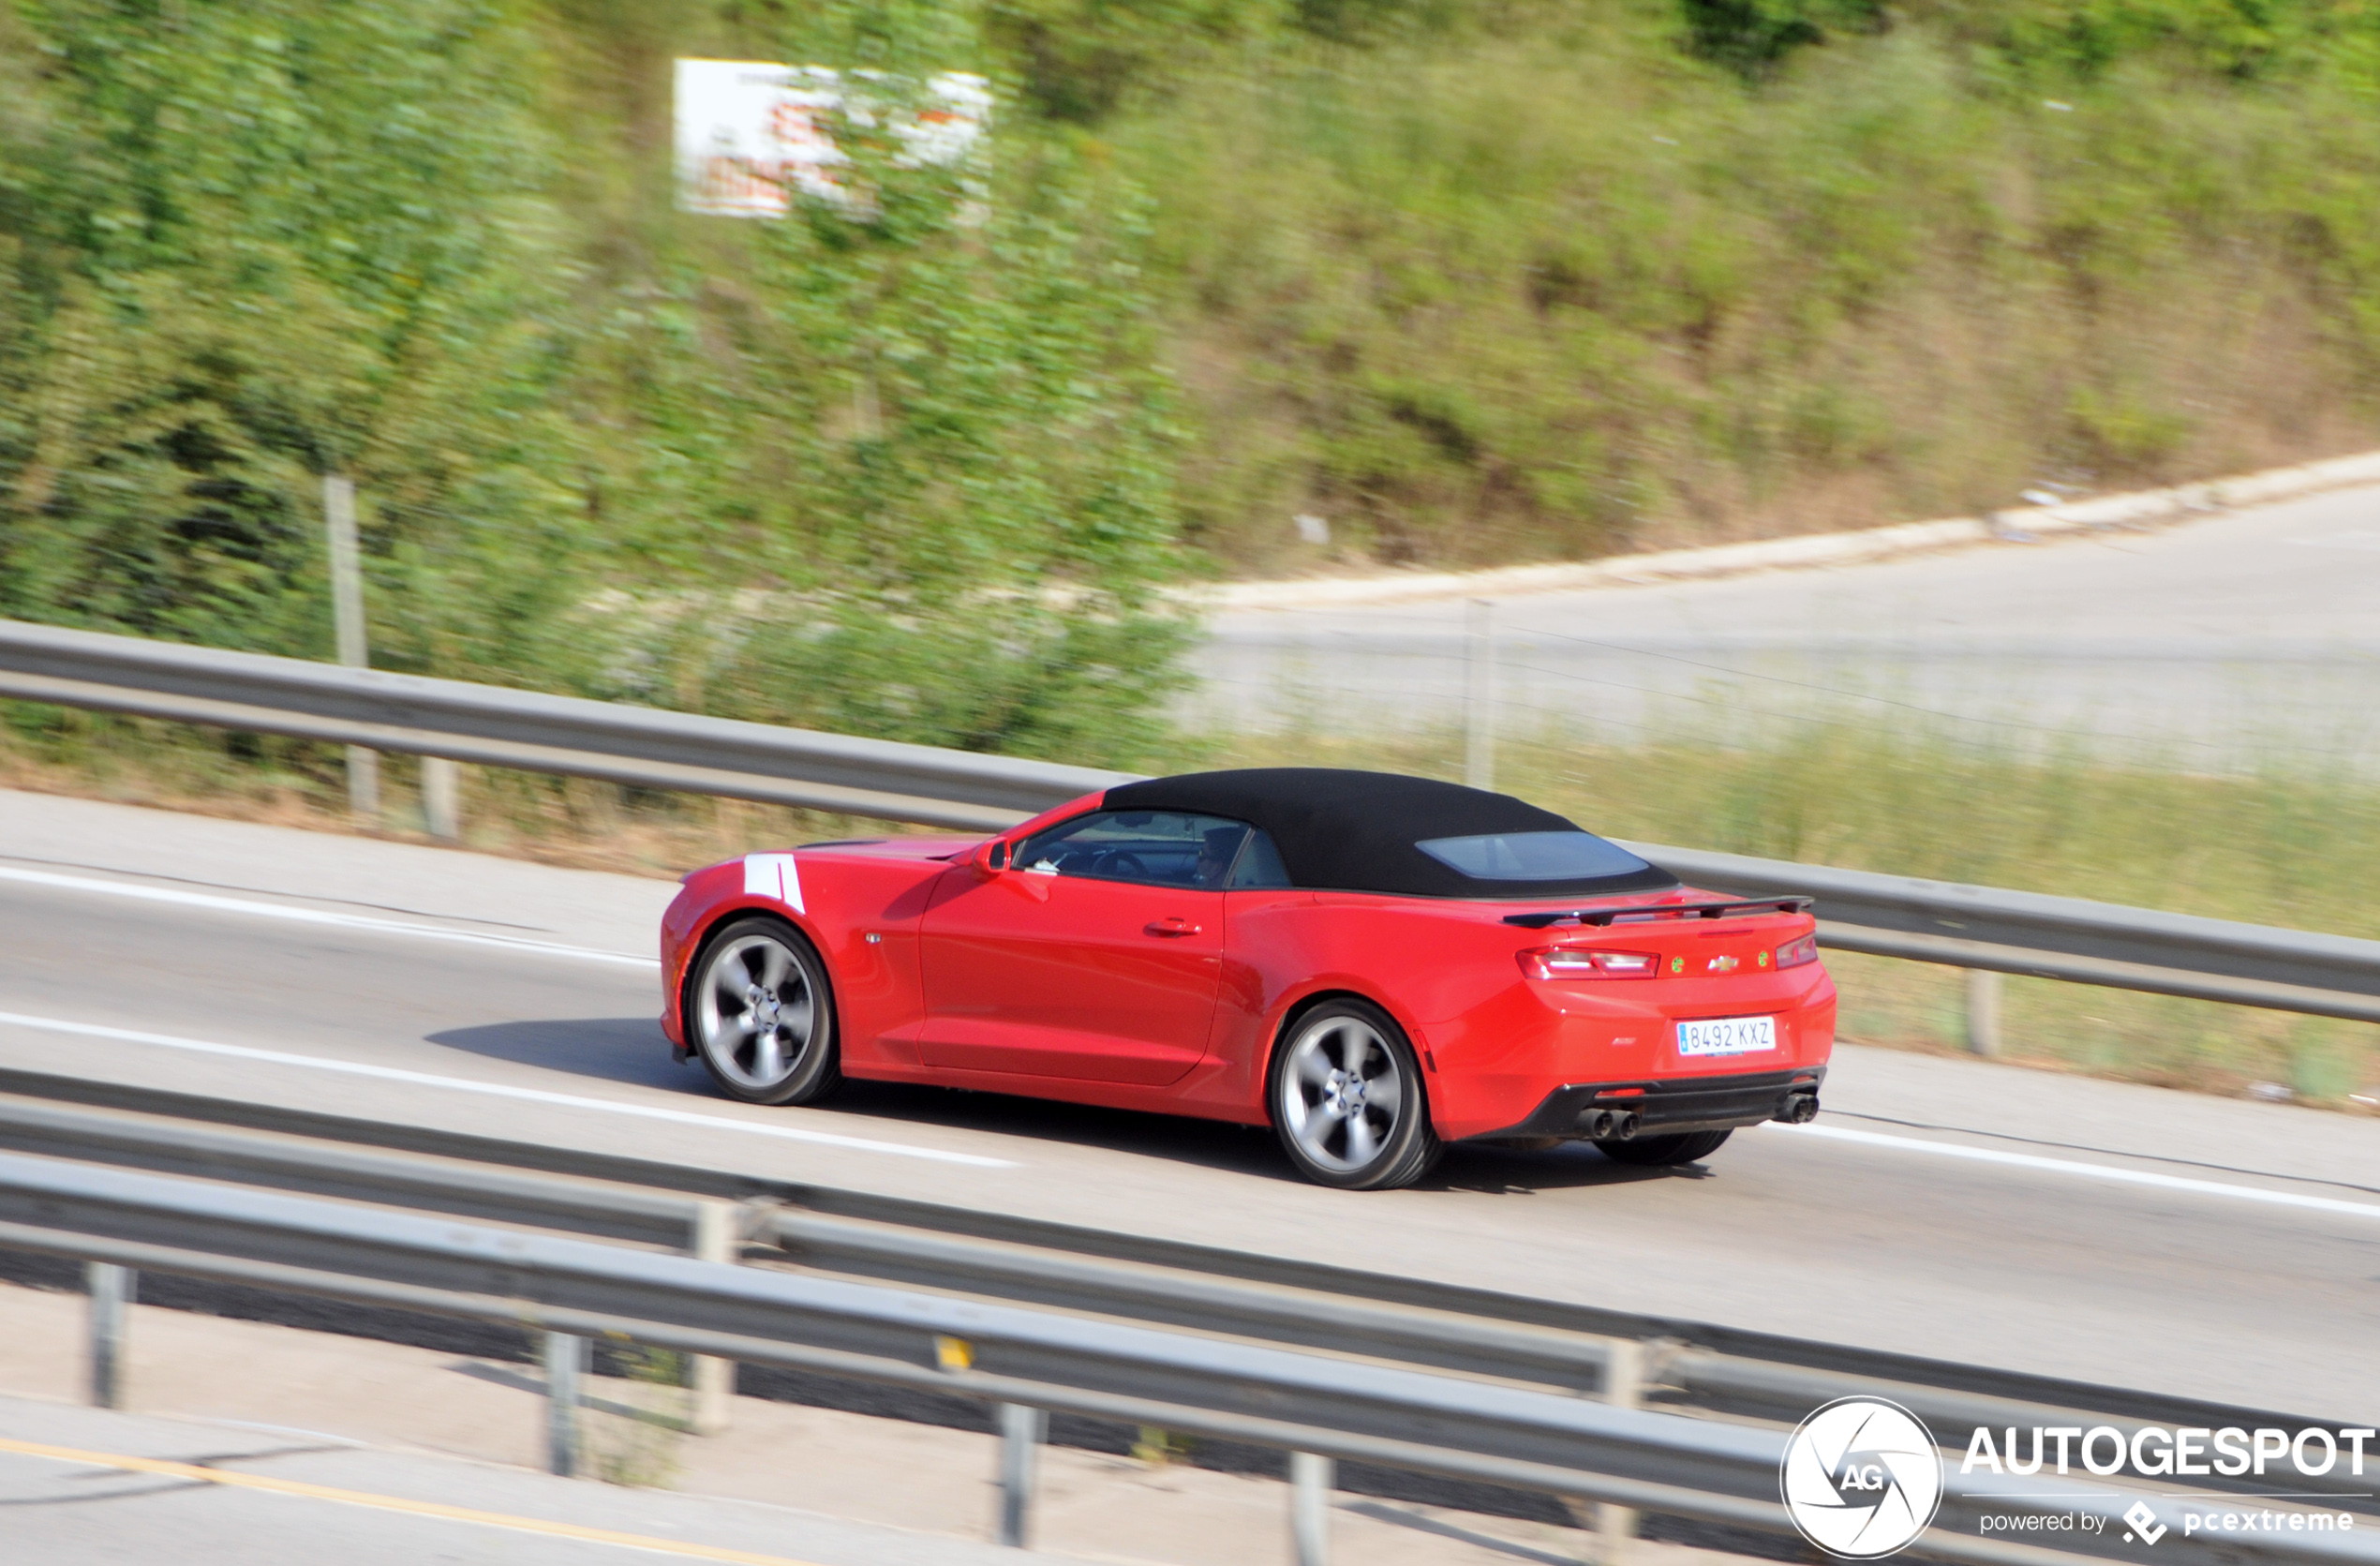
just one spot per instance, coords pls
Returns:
(1217, 847)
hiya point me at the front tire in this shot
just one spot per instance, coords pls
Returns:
(1347, 1102)
(1678, 1147)
(760, 1015)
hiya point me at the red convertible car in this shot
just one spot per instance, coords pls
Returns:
(1375, 965)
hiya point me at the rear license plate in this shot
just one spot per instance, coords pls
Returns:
(1727, 1036)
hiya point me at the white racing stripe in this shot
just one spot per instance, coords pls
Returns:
(315, 915)
(2092, 1171)
(500, 1090)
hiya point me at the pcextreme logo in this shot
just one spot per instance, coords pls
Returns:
(1861, 1478)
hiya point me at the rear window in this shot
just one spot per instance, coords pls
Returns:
(1571, 855)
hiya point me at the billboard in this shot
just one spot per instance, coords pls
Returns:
(751, 135)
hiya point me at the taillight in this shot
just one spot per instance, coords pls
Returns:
(1792, 954)
(1583, 963)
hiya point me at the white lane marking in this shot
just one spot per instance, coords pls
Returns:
(2094, 1172)
(315, 915)
(500, 1090)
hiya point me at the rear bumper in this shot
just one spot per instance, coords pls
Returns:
(1679, 1104)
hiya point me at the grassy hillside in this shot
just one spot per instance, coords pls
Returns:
(826, 470)
(1470, 279)
(1547, 285)
(1482, 281)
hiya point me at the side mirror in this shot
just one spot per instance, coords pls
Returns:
(990, 859)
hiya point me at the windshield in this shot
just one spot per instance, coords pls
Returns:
(1158, 848)
(1571, 855)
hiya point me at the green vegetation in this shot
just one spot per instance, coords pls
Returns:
(1538, 283)
(883, 469)
(1472, 281)
(634, 1426)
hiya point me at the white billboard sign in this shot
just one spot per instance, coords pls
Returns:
(752, 136)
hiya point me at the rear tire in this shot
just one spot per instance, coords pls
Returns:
(760, 1014)
(1678, 1147)
(1347, 1102)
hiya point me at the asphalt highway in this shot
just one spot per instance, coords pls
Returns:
(2121, 1235)
(2204, 643)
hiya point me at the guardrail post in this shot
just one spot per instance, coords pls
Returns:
(442, 797)
(1021, 1430)
(1983, 1011)
(1623, 1388)
(1312, 1479)
(1479, 749)
(566, 1358)
(112, 1288)
(347, 620)
(713, 1379)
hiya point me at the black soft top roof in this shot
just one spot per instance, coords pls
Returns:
(1356, 831)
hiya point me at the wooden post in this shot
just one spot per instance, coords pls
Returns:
(442, 797)
(566, 1359)
(1983, 1011)
(111, 1289)
(1311, 1480)
(1623, 1388)
(1021, 1431)
(347, 617)
(1479, 706)
(713, 1378)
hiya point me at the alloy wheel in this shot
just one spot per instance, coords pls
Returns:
(757, 1012)
(1341, 1092)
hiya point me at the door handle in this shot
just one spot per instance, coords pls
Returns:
(1168, 927)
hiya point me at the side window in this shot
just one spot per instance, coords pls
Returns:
(1156, 848)
(1259, 865)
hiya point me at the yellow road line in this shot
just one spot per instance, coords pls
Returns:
(237, 1480)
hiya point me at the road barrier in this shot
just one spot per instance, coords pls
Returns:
(642, 746)
(1986, 929)
(887, 1248)
(1367, 1401)
(1981, 929)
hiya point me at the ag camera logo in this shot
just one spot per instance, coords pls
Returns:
(1861, 1478)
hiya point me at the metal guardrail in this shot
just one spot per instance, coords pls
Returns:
(1331, 1406)
(1568, 1348)
(1977, 928)
(641, 746)
(2058, 938)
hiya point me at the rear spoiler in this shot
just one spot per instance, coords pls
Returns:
(1664, 910)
